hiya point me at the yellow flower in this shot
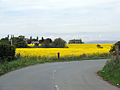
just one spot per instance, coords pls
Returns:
(74, 49)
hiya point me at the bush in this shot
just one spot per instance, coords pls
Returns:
(7, 52)
(99, 46)
(19, 42)
(59, 43)
(46, 44)
(113, 48)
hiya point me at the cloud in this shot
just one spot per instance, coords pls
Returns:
(52, 4)
(32, 16)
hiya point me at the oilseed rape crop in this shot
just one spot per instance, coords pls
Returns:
(73, 49)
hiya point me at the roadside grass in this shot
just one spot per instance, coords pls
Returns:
(111, 72)
(27, 61)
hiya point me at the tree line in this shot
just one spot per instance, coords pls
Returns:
(9, 44)
(21, 42)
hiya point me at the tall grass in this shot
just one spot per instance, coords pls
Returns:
(111, 72)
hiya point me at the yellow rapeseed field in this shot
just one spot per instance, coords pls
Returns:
(32, 45)
(75, 49)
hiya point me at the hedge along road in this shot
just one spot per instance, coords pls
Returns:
(76, 75)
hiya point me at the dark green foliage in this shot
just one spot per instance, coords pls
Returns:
(7, 52)
(99, 46)
(59, 43)
(19, 42)
(79, 41)
(111, 72)
(113, 48)
(47, 43)
(37, 38)
(49, 40)
(41, 41)
(34, 39)
(29, 41)
(5, 40)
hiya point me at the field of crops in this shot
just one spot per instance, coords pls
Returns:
(75, 49)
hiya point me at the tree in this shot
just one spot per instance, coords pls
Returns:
(7, 52)
(42, 39)
(5, 40)
(79, 41)
(31, 38)
(34, 39)
(37, 38)
(19, 42)
(48, 40)
(59, 43)
(47, 43)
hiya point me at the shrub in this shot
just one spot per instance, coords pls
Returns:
(99, 46)
(19, 42)
(59, 43)
(111, 72)
(112, 50)
(7, 52)
(46, 44)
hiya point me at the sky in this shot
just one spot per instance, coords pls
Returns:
(87, 19)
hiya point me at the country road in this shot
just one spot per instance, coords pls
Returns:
(76, 75)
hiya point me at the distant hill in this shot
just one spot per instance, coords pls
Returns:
(101, 42)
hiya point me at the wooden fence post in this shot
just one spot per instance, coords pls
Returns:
(72, 55)
(117, 52)
(58, 55)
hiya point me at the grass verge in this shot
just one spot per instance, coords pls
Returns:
(111, 72)
(27, 61)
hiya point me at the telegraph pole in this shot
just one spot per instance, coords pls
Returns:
(11, 41)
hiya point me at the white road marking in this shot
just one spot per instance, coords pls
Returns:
(56, 87)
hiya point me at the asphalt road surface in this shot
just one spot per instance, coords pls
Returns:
(76, 75)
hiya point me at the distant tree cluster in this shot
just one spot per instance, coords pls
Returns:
(17, 42)
(57, 43)
(21, 42)
(76, 41)
(47, 43)
(9, 43)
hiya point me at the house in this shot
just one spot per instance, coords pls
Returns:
(35, 42)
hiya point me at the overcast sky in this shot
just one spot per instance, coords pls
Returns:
(41, 17)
